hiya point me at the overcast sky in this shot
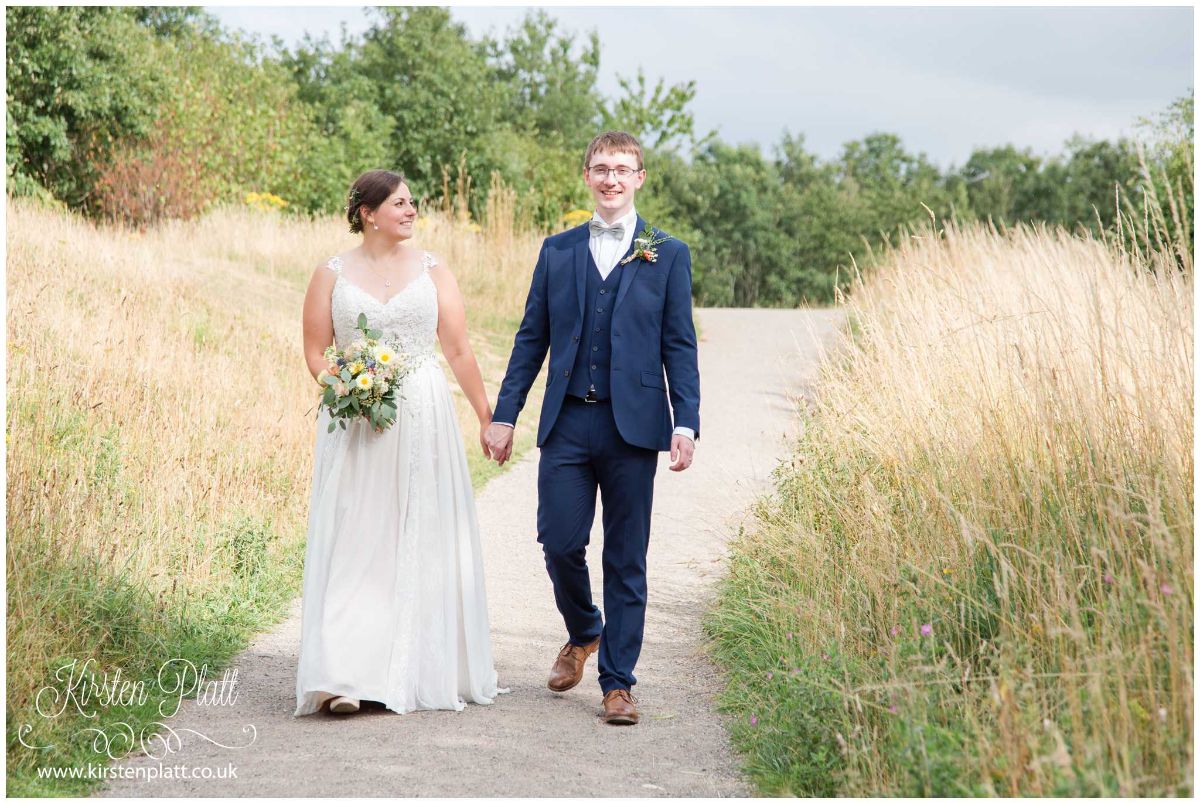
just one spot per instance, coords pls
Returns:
(946, 80)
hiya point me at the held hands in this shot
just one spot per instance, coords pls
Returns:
(498, 442)
(682, 449)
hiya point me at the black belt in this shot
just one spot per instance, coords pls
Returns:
(590, 398)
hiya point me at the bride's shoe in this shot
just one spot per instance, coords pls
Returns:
(343, 705)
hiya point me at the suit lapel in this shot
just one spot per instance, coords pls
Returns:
(630, 268)
(581, 265)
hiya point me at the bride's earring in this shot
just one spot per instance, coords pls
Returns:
(374, 226)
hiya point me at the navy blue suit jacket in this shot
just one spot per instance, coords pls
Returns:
(651, 331)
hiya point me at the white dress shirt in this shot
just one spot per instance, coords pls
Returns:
(607, 251)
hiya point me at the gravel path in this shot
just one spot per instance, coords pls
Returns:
(533, 742)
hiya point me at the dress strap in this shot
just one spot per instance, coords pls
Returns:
(335, 264)
(427, 261)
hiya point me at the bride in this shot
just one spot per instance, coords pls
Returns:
(394, 608)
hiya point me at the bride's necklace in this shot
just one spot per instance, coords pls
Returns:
(386, 281)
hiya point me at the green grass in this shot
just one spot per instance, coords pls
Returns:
(123, 626)
(131, 628)
(974, 574)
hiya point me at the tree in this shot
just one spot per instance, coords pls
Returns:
(1004, 184)
(433, 83)
(78, 80)
(660, 118)
(551, 88)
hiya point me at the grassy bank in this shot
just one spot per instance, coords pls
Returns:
(975, 574)
(159, 439)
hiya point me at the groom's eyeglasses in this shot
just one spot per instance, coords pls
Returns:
(598, 172)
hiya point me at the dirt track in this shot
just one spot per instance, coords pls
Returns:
(533, 742)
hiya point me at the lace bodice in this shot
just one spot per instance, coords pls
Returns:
(408, 319)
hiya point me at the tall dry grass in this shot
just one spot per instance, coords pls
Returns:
(160, 425)
(976, 575)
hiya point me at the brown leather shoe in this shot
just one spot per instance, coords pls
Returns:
(568, 667)
(620, 708)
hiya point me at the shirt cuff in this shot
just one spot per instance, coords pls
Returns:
(686, 432)
(505, 424)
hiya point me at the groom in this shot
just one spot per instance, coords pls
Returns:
(613, 316)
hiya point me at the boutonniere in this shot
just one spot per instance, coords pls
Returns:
(643, 246)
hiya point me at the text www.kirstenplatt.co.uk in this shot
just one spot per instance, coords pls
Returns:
(150, 773)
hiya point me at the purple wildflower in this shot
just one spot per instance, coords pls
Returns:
(926, 630)
(1108, 579)
(753, 720)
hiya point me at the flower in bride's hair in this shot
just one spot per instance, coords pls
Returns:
(364, 381)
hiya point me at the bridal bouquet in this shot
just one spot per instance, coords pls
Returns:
(362, 380)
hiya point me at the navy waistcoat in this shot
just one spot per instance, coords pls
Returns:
(594, 359)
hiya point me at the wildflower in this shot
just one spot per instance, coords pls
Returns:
(789, 636)
(946, 570)
(770, 675)
(753, 720)
(1165, 588)
(895, 631)
(926, 629)
(1108, 579)
(892, 709)
(824, 656)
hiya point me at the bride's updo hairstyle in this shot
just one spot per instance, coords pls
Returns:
(370, 190)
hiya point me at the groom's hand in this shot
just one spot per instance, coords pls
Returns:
(682, 449)
(499, 440)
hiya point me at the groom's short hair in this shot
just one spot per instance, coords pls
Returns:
(613, 142)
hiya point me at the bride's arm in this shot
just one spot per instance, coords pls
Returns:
(318, 319)
(452, 334)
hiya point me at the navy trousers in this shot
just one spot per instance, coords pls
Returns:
(584, 452)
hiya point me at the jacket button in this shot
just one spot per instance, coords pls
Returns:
(575, 338)
(567, 372)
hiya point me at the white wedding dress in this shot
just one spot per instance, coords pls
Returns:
(394, 608)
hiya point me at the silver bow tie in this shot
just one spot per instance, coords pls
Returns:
(616, 231)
